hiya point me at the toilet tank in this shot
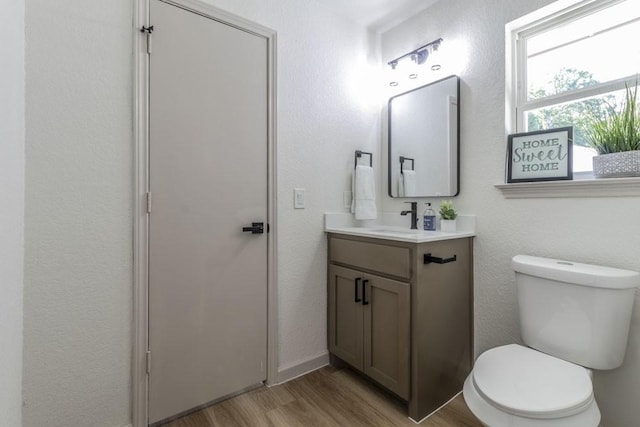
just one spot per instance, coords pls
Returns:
(577, 312)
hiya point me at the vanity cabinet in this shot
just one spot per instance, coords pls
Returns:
(369, 324)
(402, 318)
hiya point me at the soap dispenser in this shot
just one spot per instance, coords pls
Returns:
(429, 218)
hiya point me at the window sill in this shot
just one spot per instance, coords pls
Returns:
(603, 187)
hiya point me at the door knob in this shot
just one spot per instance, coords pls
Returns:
(256, 228)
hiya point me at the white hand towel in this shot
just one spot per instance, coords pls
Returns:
(364, 193)
(409, 181)
(401, 186)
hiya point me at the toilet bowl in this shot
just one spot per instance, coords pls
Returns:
(572, 317)
(514, 386)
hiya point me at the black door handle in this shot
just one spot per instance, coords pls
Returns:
(256, 228)
(355, 289)
(364, 292)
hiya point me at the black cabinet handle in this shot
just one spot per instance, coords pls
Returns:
(364, 292)
(428, 259)
(355, 289)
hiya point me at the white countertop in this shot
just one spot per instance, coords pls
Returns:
(386, 228)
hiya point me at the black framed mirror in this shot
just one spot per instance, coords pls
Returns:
(424, 140)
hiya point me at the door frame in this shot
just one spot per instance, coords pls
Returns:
(140, 395)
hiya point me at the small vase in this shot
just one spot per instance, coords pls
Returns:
(448, 225)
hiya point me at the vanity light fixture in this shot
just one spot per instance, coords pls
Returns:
(393, 65)
(435, 57)
(418, 57)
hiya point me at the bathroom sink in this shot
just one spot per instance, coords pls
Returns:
(395, 230)
(389, 227)
(400, 234)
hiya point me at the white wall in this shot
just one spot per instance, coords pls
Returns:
(78, 235)
(78, 285)
(11, 209)
(596, 230)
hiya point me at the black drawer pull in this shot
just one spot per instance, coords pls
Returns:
(355, 289)
(428, 259)
(364, 292)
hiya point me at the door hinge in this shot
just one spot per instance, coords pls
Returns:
(148, 202)
(149, 31)
(148, 361)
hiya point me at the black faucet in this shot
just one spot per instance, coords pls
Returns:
(414, 215)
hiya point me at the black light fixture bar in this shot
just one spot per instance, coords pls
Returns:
(418, 52)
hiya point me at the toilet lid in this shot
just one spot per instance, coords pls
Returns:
(529, 383)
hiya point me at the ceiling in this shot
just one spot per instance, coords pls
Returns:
(379, 15)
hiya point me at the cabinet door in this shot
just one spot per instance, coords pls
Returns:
(345, 314)
(386, 333)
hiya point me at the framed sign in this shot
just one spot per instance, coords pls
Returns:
(544, 155)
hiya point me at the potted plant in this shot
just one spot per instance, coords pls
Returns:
(616, 138)
(447, 216)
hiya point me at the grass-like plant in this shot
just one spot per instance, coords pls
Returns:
(447, 210)
(618, 130)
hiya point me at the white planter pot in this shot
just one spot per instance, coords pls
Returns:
(448, 225)
(617, 165)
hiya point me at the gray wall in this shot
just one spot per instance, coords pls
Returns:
(11, 209)
(596, 230)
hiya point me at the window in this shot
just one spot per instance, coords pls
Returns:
(572, 64)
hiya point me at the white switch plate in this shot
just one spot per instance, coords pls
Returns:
(346, 199)
(298, 198)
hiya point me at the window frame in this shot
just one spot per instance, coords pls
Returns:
(583, 184)
(520, 32)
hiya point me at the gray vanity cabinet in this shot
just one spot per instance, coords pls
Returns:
(369, 325)
(402, 318)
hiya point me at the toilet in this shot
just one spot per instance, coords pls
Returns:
(573, 318)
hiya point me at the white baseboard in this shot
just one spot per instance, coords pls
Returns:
(287, 373)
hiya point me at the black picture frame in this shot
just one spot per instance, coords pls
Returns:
(543, 155)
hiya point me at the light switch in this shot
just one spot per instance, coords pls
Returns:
(346, 199)
(298, 198)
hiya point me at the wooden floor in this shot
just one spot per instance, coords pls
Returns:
(326, 397)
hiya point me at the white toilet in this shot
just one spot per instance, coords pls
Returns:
(572, 317)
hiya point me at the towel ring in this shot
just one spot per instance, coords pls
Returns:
(359, 154)
(402, 159)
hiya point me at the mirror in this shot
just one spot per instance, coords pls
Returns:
(424, 141)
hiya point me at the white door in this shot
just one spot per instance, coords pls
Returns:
(208, 180)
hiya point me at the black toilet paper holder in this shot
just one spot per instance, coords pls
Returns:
(428, 259)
